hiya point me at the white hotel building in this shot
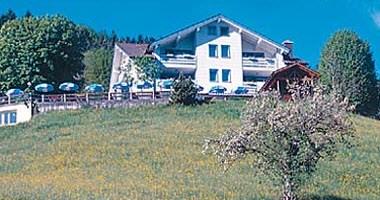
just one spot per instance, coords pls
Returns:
(214, 52)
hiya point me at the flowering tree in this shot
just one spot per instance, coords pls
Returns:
(148, 70)
(287, 139)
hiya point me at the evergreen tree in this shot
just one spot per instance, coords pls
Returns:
(28, 14)
(113, 39)
(140, 39)
(151, 40)
(347, 68)
(184, 91)
(9, 15)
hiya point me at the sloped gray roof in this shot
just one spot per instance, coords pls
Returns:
(211, 19)
(134, 50)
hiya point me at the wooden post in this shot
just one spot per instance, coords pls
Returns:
(154, 91)
(64, 98)
(109, 96)
(278, 85)
(43, 98)
(153, 97)
(9, 99)
(87, 98)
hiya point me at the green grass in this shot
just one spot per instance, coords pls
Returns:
(156, 153)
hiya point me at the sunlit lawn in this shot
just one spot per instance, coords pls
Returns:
(156, 153)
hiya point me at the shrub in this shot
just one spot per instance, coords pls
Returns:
(287, 139)
(184, 91)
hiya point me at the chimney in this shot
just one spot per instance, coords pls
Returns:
(289, 44)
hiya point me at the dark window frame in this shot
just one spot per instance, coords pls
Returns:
(224, 31)
(215, 52)
(211, 70)
(228, 51)
(212, 30)
(228, 80)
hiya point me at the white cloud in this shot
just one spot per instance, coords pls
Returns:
(376, 18)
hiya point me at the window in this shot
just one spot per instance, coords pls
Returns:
(213, 50)
(224, 31)
(213, 75)
(211, 30)
(226, 51)
(13, 117)
(6, 121)
(226, 75)
(256, 54)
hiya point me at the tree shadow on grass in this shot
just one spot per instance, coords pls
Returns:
(323, 197)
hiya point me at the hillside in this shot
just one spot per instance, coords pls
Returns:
(156, 153)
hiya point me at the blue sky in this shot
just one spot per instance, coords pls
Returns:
(308, 23)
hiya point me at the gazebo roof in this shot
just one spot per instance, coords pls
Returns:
(283, 73)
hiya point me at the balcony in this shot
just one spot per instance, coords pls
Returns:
(259, 63)
(178, 60)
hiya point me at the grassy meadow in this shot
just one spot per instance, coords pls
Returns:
(156, 153)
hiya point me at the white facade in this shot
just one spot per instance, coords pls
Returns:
(215, 52)
(13, 114)
(120, 63)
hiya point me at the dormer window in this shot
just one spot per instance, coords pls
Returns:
(224, 31)
(211, 30)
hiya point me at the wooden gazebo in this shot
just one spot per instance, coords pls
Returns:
(295, 72)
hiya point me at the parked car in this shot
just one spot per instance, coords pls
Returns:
(245, 90)
(144, 85)
(166, 84)
(217, 90)
(241, 90)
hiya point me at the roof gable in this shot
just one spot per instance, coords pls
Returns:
(282, 72)
(133, 50)
(218, 18)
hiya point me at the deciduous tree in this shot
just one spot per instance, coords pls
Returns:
(98, 66)
(40, 49)
(148, 69)
(287, 139)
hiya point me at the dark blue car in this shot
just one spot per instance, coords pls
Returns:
(217, 90)
(241, 90)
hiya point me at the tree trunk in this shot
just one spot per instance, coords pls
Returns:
(154, 91)
(289, 190)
